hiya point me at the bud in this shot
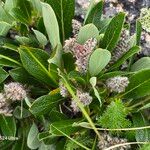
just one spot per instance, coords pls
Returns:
(15, 91)
(117, 84)
(63, 90)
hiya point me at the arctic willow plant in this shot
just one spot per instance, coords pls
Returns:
(64, 83)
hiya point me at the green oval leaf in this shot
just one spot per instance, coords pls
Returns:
(113, 32)
(86, 32)
(35, 62)
(51, 24)
(45, 103)
(98, 60)
(40, 37)
(32, 140)
(64, 10)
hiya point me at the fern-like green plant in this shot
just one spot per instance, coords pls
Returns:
(115, 116)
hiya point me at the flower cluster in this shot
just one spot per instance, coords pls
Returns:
(13, 91)
(109, 141)
(122, 46)
(80, 52)
(117, 84)
(84, 98)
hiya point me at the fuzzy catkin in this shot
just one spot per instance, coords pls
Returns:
(117, 84)
(122, 46)
(109, 141)
(76, 25)
(84, 98)
(80, 52)
(15, 91)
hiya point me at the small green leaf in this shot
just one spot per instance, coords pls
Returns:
(56, 56)
(32, 140)
(143, 63)
(86, 32)
(93, 82)
(45, 103)
(51, 24)
(113, 32)
(3, 75)
(98, 60)
(40, 37)
(23, 40)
